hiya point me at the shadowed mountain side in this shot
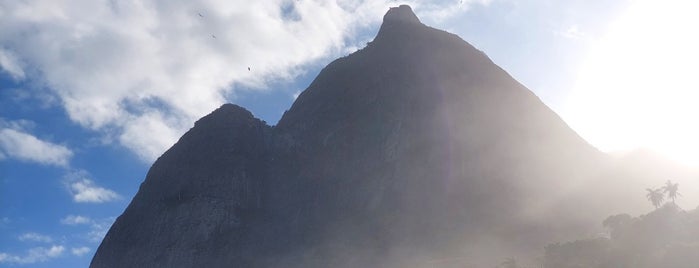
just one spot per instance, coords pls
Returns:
(415, 149)
(422, 125)
(197, 198)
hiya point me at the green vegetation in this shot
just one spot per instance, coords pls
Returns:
(665, 237)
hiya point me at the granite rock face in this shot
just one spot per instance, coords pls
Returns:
(415, 148)
(196, 197)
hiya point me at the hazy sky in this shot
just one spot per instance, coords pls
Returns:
(92, 92)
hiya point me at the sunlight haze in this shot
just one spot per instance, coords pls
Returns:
(412, 133)
(638, 88)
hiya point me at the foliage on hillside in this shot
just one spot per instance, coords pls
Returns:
(666, 237)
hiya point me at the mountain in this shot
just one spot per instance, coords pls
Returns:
(415, 151)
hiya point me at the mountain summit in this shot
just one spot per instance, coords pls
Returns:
(401, 14)
(412, 150)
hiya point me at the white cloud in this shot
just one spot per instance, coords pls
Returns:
(80, 251)
(75, 220)
(10, 64)
(438, 11)
(84, 190)
(33, 255)
(99, 229)
(55, 251)
(125, 68)
(15, 143)
(35, 237)
(296, 94)
(162, 134)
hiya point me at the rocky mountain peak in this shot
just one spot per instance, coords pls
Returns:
(400, 14)
(227, 112)
(405, 146)
(398, 23)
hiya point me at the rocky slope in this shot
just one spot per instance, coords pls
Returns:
(415, 149)
(195, 199)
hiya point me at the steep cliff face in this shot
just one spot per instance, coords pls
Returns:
(414, 148)
(424, 134)
(197, 199)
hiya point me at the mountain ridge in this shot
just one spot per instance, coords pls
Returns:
(415, 147)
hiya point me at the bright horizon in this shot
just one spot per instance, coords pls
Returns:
(638, 87)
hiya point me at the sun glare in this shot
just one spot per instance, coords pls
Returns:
(639, 87)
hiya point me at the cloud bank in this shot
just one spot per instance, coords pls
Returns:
(141, 72)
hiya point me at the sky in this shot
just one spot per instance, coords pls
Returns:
(92, 92)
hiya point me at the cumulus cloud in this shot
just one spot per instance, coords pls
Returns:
(84, 190)
(75, 220)
(33, 255)
(10, 64)
(143, 71)
(16, 143)
(80, 251)
(99, 228)
(35, 237)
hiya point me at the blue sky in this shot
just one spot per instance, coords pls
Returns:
(92, 92)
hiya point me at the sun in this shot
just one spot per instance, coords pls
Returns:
(639, 87)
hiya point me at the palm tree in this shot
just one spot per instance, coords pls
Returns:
(655, 196)
(671, 190)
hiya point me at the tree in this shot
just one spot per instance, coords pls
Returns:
(616, 223)
(671, 190)
(655, 196)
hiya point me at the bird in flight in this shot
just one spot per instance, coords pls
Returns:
(248, 68)
(200, 15)
(213, 36)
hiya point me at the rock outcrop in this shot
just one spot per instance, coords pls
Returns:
(413, 149)
(196, 197)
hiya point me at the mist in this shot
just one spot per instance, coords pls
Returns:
(414, 151)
